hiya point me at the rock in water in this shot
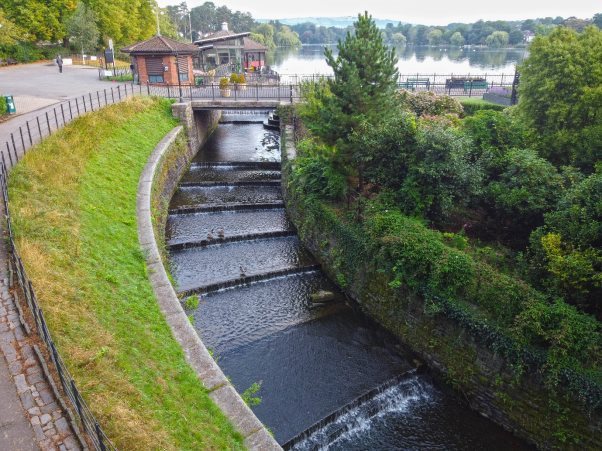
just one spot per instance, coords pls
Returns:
(322, 297)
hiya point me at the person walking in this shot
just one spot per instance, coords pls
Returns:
(59, 62)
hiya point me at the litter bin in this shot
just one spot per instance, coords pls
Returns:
(10, 105)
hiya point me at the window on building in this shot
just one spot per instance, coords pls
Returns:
(155, 70)
(183, 67)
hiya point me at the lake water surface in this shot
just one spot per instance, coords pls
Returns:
(309, 59)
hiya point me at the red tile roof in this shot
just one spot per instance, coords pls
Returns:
(161, 44)
(253, 46)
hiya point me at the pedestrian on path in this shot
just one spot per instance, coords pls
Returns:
(59, 61)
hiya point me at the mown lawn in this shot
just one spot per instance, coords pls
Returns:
(73, 204)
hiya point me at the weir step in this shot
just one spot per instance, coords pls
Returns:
(357, 402)
(237, 164)
(273, 182)
(231, 239)
(226, 207)
(240, 281)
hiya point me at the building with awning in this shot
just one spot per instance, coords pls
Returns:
(158, 60)
(236, 50)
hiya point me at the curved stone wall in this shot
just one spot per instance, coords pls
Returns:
(157, 182)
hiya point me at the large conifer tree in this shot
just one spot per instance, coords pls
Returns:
(363, 88)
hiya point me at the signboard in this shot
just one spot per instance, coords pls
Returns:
(109, 56)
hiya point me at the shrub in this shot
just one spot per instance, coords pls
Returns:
(428, 103)
(3, 107)
(440, 174)
(317, 176)
(493, 133)
(237, 78)
(527, 187)
(224, 83)
(564, 254)
(471, 106)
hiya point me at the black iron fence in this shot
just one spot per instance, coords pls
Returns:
(25, 137)
(53, 118)
(86, 418)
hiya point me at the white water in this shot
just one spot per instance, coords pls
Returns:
(398, 399)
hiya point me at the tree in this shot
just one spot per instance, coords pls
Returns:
(361, 93)
(516, 37)
(398, 39)
(597, 20)
(264, 34)
(285, 37)
(497, 39)
(10, 33)
(42, 20)
(561, 96)
(82, 27)
(435, 36)
(456, 39)
(365, 77)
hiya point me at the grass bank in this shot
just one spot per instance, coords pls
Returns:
(73, 201)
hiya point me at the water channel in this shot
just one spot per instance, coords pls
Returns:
(330, 378)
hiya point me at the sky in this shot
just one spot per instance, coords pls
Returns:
(431, 12)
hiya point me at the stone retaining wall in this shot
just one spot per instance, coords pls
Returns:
(487, 382)
(157, 183)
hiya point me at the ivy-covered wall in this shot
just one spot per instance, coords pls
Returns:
(468, 355)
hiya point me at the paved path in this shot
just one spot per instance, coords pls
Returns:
(37, 87)
(31, 417)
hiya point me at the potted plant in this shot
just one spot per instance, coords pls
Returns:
(239, 81)
(224, 87)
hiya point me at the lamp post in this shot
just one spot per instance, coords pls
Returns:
(179, 81)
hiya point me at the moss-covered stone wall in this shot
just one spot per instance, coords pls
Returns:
(523, 405)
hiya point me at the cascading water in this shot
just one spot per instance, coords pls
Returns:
(229, 240)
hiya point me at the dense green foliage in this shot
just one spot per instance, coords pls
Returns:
(2, 105)
(468, 213)
(561, 96)
(82, 26)
(471, 106)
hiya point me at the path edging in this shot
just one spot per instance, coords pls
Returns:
(220, 389)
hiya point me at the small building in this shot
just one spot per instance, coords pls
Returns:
(157, 60)
(228, 48)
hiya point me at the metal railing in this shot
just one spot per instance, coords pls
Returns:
(20, 141)
(56, 116)
(279, 92)
(85, 416)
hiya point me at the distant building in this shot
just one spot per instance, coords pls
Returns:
(528, 36)
(157, 60)
(228, 48)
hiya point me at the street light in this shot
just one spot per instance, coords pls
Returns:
(179, 82)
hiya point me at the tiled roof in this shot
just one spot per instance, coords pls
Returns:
(161, 44)
(253, 46)
(221, 36)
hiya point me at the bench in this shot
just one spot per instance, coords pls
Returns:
(412, 83)
(475, 84)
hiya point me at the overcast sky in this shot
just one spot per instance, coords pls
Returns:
(430, 12)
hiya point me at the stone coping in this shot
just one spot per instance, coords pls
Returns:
(221, 391)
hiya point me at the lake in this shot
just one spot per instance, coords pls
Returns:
(309, 59)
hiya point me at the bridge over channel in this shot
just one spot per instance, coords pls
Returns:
(238, 97)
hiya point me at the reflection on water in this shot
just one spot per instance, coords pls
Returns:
(309, 59)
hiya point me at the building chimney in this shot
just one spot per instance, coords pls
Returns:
(224, 26)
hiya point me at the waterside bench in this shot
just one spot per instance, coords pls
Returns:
(412, 83)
